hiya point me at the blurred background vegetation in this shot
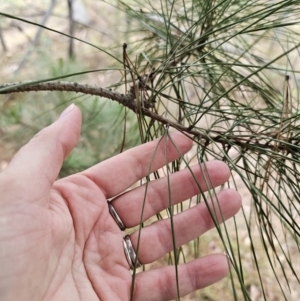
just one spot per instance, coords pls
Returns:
(225, 69)
(30, 53)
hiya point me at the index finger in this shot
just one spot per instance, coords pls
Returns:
(118, 173)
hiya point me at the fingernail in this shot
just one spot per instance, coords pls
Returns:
(66, 111)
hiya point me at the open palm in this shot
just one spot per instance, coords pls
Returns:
(58, 240)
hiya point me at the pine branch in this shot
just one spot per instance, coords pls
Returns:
(128, 101)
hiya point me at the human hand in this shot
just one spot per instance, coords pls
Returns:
(58, 240)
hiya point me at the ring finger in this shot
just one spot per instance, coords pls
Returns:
(156, 239)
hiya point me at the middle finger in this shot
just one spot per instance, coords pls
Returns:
(182, 187)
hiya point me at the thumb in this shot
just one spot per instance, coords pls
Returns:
(37, 164)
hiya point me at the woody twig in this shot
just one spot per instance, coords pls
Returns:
(128, 100)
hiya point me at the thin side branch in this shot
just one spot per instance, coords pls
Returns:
(128, 101)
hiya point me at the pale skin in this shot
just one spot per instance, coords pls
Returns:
(58, 240)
